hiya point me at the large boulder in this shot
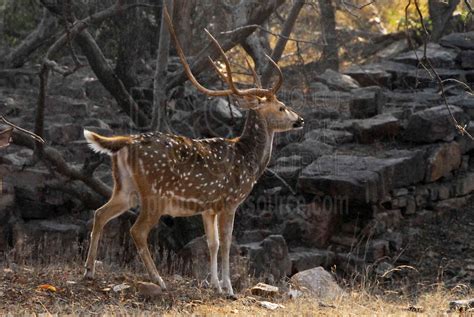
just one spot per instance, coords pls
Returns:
(268, 257)
(384, 126)
(367, 102)
(309, 150)
(305, 258)
(329, 136)
(442, 160)
(439, 56)
(370, 74)
(338, 81)
(463, 40)
(362, 179)
(319, 283)
(316, 222)
(434, 124)
(466, 59)
(64, 133)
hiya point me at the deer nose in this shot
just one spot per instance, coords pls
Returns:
(298, 123)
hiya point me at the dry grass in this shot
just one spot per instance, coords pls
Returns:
(19, 294)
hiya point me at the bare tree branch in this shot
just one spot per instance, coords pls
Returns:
(40, 36)
(280, 45)
(161, 74)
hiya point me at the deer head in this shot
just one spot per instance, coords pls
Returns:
(277, 115)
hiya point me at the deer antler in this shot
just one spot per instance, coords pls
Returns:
(260, 92)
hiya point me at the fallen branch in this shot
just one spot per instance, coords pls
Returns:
(54, 159)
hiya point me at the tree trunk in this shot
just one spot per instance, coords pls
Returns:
(440, 13)
(280, 45)
(330, 56)
(257, 45)
(42, 35)
(108, 78)
(182, 14)
(128, 47)
(159, 121)
(257, 16)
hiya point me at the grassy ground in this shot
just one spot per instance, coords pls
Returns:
(20, 293)
(438, 257)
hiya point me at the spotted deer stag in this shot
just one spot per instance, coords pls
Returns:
(178, 176)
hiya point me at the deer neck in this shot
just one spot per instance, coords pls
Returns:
(255, 143)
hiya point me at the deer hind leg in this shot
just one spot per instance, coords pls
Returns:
(120, 202)
(147, 219)
(116, 206)
(226, 225)
(210, 227)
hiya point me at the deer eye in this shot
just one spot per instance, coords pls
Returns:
(282, 108)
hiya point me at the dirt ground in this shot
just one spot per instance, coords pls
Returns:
(439, 268)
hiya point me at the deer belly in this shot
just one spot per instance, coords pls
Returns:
(184, 207)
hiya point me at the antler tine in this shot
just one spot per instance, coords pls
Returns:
(228, 68)
(240, 92)
(256, 79)
(280, 75)
(187, 69)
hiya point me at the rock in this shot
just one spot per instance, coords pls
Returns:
(442, 160)
(466, 103)
(463, 40)
(362, 179)
(461, 304)
(270, 305)
(394, 49)
(65, 133)
(32, 198)
(318, 87)
(74, 108)
(95, 90)
(195, 255)
(328, 136)
(149, 290)
(264, 290)
(249, 236)
(423, 78)
(384, 126)
(376, 249)
(370, 75)
(464, 184)
(338, 81)
(309, 150)
(270, 256)
(433, 124)
(466, 59)
(18, 158)
(305, 258)
(451, 204)
(53, 226)
(384, 269)
(19, 78)
(469, 76)
(318, 282)
(439, 56)
(288, 173)
(367, 102)
(221, 109)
